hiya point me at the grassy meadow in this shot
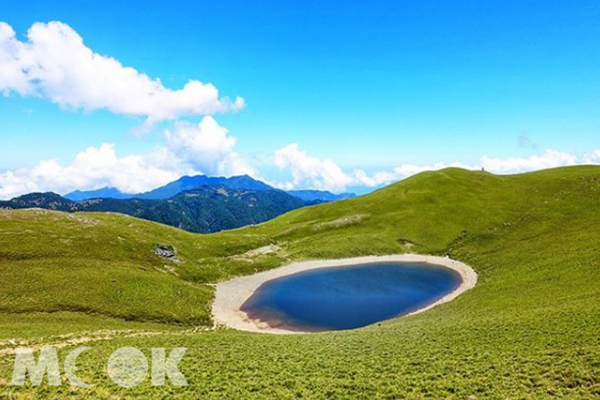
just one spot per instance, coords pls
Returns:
(530, 329)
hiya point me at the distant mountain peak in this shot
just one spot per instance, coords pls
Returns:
(319, 195)
(189, 182)
(105, 192)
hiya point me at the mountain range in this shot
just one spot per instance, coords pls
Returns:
(199, 203)
(192, 182)
(203, 209)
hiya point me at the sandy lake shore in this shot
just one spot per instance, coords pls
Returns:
(232, 294)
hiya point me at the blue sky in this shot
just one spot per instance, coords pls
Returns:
(384, 87)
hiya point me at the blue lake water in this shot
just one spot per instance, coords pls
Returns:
(349, 297)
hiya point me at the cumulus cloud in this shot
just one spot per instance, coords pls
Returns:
(205, 148)
(208, 148)
(55, 63)
(311, 172)
(512, 165)
(324, 174)
(407, 170)
(204, 145)
(360, 177)
(592, 158)
(548, 159)
(234, 164)
(92, 168)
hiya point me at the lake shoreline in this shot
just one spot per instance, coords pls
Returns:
(232, 294)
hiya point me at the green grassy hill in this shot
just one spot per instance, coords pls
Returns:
(528, 330)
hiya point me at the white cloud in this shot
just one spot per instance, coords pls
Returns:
(54, 63)
(592, 158)
(92, 168)
(548, 159)
(234, 164)
(360, 177)
(203, 145)
(512, 165)
(208, 148)
(312, 172)
(205, 148)
(407, 170)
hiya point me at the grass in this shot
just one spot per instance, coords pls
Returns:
(529, 330)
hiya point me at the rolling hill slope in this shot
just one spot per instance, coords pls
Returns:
(528, 330)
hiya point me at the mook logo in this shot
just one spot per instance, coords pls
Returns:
(127, 367)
